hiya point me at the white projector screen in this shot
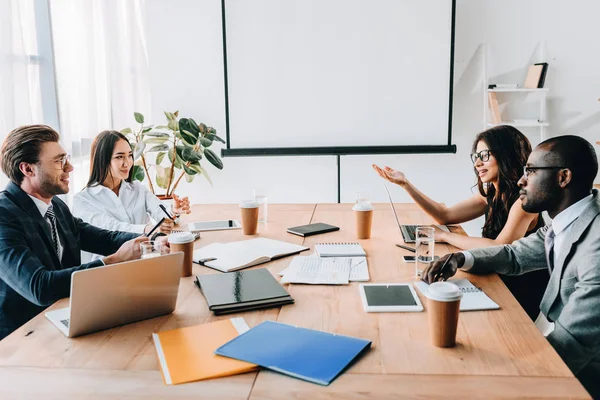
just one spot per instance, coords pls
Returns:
(338, 73)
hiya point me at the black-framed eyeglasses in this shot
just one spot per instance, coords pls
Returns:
(530, 170)
(483, 155)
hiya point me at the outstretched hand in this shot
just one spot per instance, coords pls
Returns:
(391, 175)
(181, 205)
(450, 263)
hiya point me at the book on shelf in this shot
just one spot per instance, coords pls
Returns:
(542, 75)
(233, 256)
(242, 291)
(536, 75)
(494, 108)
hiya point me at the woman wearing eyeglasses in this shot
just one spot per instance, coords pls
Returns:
(111, 200)
(499, 155)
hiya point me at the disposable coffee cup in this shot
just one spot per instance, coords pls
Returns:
(363, 213)
(443, 304)
(183, 241)
(249, 211)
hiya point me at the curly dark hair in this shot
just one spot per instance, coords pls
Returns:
(511, 149)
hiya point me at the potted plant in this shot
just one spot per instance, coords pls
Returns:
(182, 142)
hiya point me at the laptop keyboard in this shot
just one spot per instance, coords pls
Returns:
(412, 231)
(65, 322)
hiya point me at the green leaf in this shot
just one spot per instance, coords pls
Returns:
(158, 147)
(213, 159)
(155, 140)
(139, 118)
(173, 125)
(189, 178)
(138, 173)
(213, 136)
(169, 116)
(158, 134)
(189, 170)
(161, 127)
(188, 137)
(160, 157)
(161, 180)
(188, 154)
(178, 162)
(146, 130)
(203, 129)
(138, 150)
(205, 142)
(204, 173)
(189, 125)
(126, 131)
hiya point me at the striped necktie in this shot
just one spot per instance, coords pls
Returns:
(52, 218)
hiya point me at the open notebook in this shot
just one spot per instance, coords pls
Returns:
(473, 298)
(232, 256)
(340, 250)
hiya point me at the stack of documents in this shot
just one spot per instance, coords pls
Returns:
(316, 270)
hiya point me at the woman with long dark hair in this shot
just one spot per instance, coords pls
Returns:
(111, 200)
(499, 155)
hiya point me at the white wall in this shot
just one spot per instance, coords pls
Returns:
(185, 51)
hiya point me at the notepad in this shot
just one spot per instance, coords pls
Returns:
(359, 268)
(308, 354)
(473, 299)
(187, 354)
(318, 271)
(233, 256)
(340, 250)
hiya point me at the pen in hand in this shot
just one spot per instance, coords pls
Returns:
(166, 212)
(441, 271)
(155, 228)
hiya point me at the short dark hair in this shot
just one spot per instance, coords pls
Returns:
(578, 155)
(23, 144)
(101, 155)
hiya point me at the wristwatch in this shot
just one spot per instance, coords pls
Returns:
(156, 235)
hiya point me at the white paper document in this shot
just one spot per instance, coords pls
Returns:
(318, 271)
(473, 298)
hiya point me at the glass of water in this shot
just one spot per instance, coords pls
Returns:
(150, 249)
(261, 198)
(425, 247)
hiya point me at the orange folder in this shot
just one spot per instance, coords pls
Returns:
(187, 354)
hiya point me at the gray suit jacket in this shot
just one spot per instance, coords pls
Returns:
(572, 298)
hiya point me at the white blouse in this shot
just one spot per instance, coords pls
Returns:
(128, 212)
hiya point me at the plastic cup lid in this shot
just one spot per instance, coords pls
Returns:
(249, 204)
(444, 291)
(181, 237)
(363, 206)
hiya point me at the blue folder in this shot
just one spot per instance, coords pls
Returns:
(315, 356)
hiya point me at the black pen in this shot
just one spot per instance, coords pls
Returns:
(155, 228)
(441, 271)
(166, 212)
(406, 247)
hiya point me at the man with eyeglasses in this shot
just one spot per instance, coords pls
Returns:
(558, 178)
(40, 241)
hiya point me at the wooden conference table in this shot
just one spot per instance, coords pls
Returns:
(500, 354)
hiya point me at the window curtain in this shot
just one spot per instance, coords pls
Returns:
(20, 99)
(101, 72)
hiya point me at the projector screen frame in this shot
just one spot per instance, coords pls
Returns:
(337, 150)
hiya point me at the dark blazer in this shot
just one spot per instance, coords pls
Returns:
(31, 275)
(572, 299)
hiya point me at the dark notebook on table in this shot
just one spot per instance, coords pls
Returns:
(242, 291)
(312, 229)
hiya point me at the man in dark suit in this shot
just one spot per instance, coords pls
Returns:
(40, 241)
(558, 178)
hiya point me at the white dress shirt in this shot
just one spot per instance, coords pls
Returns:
(130, 211)
(43, 207)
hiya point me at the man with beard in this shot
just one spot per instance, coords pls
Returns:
(558, 178)
(40, 241)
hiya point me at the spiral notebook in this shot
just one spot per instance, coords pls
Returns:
(340, 250)
(473, 298)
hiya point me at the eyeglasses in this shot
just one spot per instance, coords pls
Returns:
(63, 161)
(530, 170)
(483, 155)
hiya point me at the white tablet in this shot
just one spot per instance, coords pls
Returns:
(389, 297)
(214, 225)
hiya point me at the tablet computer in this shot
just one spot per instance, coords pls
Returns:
(214, 225)
(312, 229)
(389, 297)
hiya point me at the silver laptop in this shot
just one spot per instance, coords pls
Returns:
(408, 231)
(119, 294)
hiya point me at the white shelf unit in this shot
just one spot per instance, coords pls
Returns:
(541, 123)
